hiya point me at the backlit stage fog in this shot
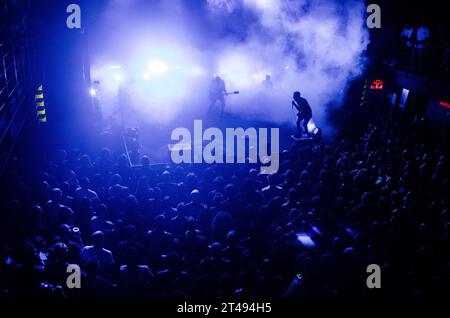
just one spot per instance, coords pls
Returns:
(160, 56)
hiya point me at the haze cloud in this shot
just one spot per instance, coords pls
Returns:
(314, 46)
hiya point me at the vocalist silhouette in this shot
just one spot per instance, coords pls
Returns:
(304, 113)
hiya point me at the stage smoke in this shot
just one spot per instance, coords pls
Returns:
(169, 52)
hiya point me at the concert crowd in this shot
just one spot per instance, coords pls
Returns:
(225, 231)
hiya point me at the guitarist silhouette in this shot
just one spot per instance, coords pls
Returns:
(217, 92)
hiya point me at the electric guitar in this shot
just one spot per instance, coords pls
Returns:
(231, 93)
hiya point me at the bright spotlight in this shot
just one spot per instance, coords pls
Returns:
(118, 77)
(158, 67)
(146, 76)
(93, 92)
(311, 126)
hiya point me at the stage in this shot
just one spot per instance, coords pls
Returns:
(154, 139)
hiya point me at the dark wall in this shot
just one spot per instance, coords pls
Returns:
(62, 67)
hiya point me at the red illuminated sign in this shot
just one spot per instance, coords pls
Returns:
(377, 84)
(444, 104)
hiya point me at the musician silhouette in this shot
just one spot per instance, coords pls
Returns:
(267, 84)
(304, 113)
(217, 93)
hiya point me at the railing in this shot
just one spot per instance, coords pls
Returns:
(15, 92)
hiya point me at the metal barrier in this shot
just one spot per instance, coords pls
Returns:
(15, 91)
